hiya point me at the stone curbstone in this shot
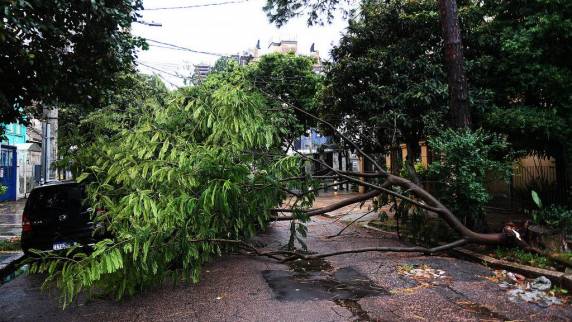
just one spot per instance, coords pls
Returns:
(9, 263)
(528, 271)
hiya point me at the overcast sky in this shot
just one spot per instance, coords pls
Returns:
(224, 29)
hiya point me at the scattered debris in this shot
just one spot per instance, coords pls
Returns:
(541, 283)
(517, 278)
(422, 273)
(518, 288)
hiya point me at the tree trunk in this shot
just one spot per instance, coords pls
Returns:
(340, 167)
(412, 153)
(395, 157)
(458, 91)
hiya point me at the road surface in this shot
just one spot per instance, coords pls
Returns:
(352, 287)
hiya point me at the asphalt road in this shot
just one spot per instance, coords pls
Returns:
(353, 287)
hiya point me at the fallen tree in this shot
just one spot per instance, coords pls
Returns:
(198, 175)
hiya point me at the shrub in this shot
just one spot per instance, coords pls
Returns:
(554, 216)
(465, 160)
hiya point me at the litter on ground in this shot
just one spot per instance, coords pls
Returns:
(519, 288)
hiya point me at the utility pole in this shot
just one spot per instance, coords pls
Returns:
(46, 151)
(49, 139)
(457, 81)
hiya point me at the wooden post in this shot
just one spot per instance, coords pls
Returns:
(361, 188)
(424, 154)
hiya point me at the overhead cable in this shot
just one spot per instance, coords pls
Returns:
(177, 47)
(196, 5)
(162, 71)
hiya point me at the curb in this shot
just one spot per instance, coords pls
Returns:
(560, 278)
(9, 264)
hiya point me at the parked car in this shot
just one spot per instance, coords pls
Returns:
(55, 217)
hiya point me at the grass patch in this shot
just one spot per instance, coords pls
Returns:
(9, 245)
(523, 257)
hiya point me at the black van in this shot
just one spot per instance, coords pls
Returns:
(55, 217)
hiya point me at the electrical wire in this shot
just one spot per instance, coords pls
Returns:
(196, 5)
(168, 81)
(162, 71)
(177, 47)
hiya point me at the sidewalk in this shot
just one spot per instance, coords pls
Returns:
(11, 218)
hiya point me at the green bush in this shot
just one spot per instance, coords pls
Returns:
(554, 216)
(465, 160)
(3, 189)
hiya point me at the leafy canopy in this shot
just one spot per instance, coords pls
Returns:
(62, 51)
(529, 72)
(80, 128)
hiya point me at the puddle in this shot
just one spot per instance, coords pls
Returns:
(317, 279)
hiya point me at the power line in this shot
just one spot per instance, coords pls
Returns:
(196, 5)
(162, 71)
(177, 47)
(166, 80)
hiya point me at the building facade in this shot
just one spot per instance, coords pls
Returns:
(14, 134)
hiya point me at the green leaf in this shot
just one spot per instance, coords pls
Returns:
(82, 177)
(536, 199)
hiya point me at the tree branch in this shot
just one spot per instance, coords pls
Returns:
(329, 208)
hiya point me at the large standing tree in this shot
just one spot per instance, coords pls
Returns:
(387, 82)
(280, 11)
(454, 59)
(59, 51)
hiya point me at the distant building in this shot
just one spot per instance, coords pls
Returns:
(14, 133)
(201, 72)
(283, 46)
(311, 143)
(21, 157)
(242, 59)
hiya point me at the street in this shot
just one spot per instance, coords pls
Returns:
(362, 287)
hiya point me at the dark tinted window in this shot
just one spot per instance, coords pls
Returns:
(57, 198)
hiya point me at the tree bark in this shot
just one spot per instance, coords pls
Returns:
(412, 153)
(454, 60)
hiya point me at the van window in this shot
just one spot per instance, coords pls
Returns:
(58, 198)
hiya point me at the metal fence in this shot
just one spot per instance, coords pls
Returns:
(516, 194)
